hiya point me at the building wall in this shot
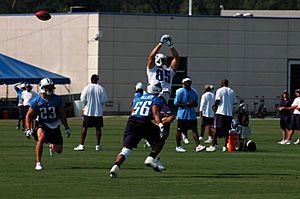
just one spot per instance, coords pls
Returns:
(251, 52)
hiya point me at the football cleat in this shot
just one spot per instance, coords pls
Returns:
(114, 171)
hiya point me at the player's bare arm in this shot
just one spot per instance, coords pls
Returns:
(63, 117)
(151, 58)
(176, 59)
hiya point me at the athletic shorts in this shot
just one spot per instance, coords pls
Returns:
(295, 124)
(136, 129)
(92, 121)
(223, 125)
(185, 125)
(285, 123)
(207, 121)
(52, 136)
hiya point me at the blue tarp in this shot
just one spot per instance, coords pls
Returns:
(13, 71)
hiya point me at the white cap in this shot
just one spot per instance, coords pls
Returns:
(186, 80)
(139, 85)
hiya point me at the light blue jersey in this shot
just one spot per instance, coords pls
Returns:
(184, 96)
(142, 107)
(47, 111)
(19, 92)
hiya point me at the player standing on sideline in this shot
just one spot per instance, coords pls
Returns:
(27, 96)
(206, 112)
(158, 68)
(186, 100)
(223, 107)
(140, 125)
(20, 104)
(50, 114)
(94, 97)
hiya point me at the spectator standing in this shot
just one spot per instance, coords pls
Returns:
(186, 100)
(223, 107)
(295, 123)
(206, 112)
(93, 97)
(285, 116)
(20, 87)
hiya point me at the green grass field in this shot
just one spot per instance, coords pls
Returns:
(271, 172)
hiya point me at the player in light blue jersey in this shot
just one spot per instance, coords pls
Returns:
(140, 125)
(49, 112)
(186, 100)
(20, 87)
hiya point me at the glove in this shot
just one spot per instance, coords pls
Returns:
(28, 133)
(169, 42)
(163, 134)
(68, 132)
(164, 38)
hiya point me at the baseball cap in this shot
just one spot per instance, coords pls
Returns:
(186, 79)
(297, 90)
(207, 86)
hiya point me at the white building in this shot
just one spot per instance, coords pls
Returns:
(260, 56)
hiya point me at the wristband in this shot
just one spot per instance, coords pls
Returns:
(160, 125)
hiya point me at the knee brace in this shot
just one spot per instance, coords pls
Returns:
(125, 152)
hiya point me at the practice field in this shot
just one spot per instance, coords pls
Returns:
(271, 172)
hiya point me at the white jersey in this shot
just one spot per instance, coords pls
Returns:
(163, 74)
(27, 96)
(94, 97)
(206, 104)
(296, 102)
(227, 98)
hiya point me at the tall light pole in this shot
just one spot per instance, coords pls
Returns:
(190, 7)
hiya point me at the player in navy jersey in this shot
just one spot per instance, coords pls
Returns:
(49, 112)
(140, 125)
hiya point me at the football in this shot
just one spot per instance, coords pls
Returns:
(43, 15)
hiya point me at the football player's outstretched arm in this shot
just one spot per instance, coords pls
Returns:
(176, 59)
(151, 58)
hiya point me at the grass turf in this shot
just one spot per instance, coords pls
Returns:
(270, 172)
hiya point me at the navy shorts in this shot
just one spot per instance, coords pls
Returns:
(92, 121)
(285, 123)
(136, 129)
(223, 125)
(185, 125)
(207, 121)
(295, 124)
(52, 136)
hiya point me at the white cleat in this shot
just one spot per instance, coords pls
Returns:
(224, 149)
(209, 140)
(211, 149)
(38, 166)
(200, 148)
(200, 138)
(151, 162)
(185, 139)
(160, 165)
(80, 147)
(282, 142)
(180, 149)
(98, 148)
(114, 171)
(297, 142)
(288, 142)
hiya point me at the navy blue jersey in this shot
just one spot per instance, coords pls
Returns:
(142, 107)
(47, 111)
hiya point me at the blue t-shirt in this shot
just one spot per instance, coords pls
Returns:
(184, 96)
(142, 107)
(47, 111)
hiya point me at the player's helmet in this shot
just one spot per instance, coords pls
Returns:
(46, 85)
(159, 59)
(139, 86)
(154, 87)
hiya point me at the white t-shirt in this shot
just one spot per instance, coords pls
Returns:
(227, 98)
(296, 102)
(94, 97)
(163, 74)
(206, 104)
(27, 96)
